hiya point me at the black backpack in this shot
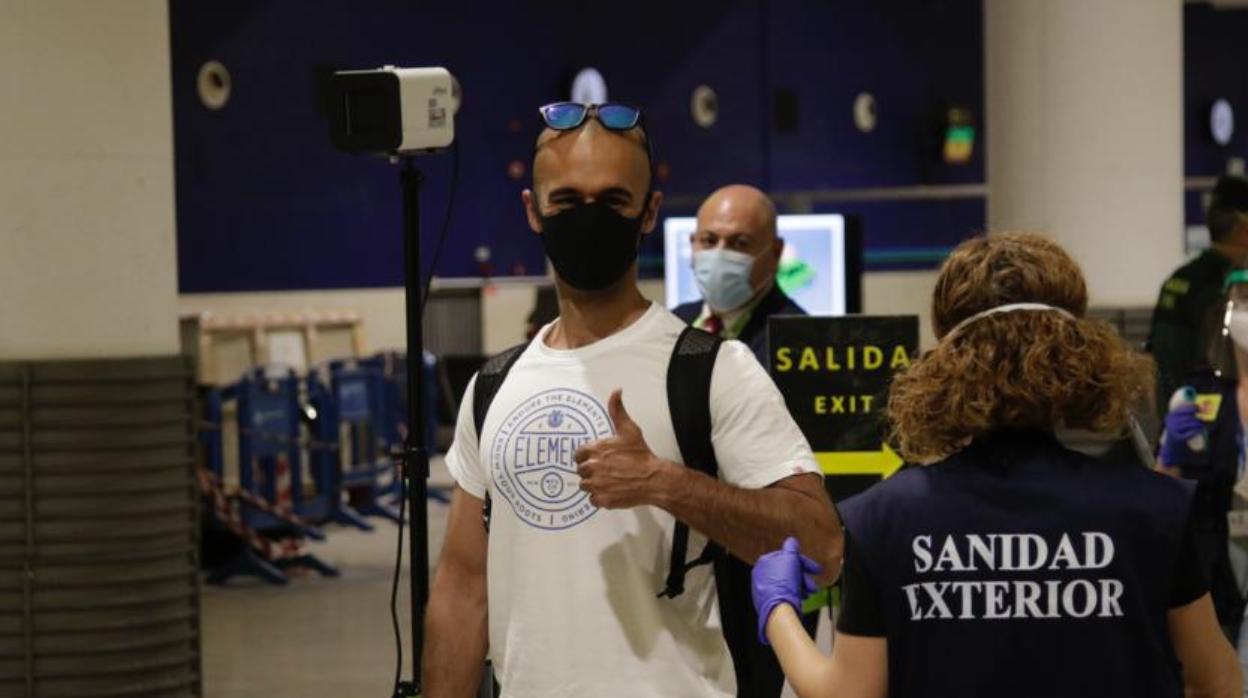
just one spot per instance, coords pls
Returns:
(688, 396)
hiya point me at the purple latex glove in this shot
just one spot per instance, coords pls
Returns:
(1182, 424)
(780, 577)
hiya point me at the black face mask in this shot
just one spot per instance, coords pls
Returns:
(590, 244)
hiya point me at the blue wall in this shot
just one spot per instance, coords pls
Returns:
(1215, 65)
(265, 203)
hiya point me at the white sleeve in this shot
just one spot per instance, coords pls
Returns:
(756, 441)
(464, 457)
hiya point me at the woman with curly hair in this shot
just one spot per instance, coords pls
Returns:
(1008, 565)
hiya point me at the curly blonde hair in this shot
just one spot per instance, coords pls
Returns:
(1019, 369)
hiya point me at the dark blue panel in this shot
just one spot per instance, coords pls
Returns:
(655, 55)
(1215, 65)
(916, 56)
(263, 201)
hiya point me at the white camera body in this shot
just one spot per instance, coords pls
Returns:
(393, 110)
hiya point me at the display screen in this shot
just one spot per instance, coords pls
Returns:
(959, 144)
(815, 268)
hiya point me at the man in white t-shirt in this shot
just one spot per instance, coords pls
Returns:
(579, 459)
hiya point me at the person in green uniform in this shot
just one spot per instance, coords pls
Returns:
(1176, 337)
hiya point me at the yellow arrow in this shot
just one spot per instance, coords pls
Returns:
(883, 462)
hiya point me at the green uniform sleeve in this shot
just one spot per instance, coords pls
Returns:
(1172, 338)
(1181, 331)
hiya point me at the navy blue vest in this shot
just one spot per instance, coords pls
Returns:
(1019, 568)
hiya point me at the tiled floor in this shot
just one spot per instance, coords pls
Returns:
(317, 637)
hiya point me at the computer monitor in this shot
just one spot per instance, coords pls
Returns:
(820, 269)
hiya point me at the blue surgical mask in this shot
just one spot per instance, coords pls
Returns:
(724, 278)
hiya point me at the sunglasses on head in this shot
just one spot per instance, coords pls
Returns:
(565, 116)
(614, 116)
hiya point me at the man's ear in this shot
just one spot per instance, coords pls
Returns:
(777, 247)
(530, 210)
(652, 213)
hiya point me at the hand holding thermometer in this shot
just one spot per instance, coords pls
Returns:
(1185, 433)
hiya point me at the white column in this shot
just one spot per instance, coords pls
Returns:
(1083, 102)
(87, 256)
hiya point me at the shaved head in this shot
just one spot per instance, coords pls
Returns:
(741, 218)
(591, 154)
(739, 207)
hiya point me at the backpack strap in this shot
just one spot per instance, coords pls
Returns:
(489, 379)
(689, 399)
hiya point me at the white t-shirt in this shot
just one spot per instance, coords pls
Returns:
(573, 610)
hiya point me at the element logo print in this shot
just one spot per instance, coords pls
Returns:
(532, 462)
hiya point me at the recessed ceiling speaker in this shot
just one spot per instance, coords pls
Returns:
(704, 106)
(865, 116)
(589, 87)
(1221, 122)
(213, 85)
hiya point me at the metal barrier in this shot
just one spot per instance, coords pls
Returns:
(392, 367)
(328, 505)
(270, 501)
(369, 472)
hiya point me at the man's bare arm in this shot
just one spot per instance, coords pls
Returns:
(622, 471)
(752, 522)
(455, 621)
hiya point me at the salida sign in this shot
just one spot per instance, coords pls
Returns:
(834, 373)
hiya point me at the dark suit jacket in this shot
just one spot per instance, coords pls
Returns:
(754, 333)
(758, 672)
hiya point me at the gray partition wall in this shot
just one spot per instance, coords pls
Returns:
(98, 529)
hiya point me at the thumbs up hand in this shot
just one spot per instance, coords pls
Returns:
(621, 471)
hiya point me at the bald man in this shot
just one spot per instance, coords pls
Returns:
(578, 457)
(736, 252)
